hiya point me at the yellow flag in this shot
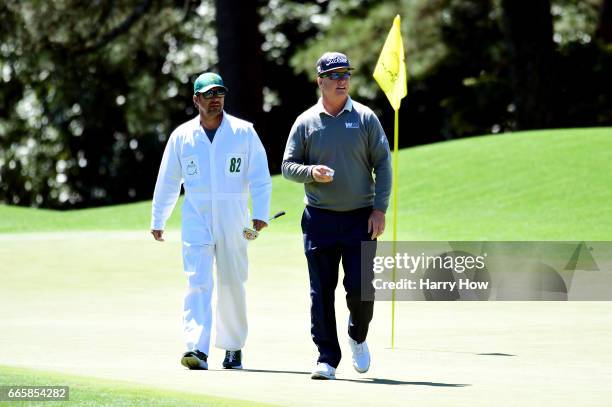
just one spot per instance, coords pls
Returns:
(390, 71)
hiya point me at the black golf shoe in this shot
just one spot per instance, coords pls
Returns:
(233, 359)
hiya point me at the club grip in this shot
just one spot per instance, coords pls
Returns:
(278, 215)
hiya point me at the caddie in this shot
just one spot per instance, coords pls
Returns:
(219, 160)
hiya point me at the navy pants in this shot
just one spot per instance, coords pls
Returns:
(331, 237)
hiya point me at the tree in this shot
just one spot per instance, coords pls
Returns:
(529, 30)
(604, 29)
(240, 56)
(92, 94)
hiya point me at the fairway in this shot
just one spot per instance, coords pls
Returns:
(81, 296)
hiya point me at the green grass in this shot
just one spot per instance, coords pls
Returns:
(118, 217)
(538, 185)
(97, 392)
(134, 216)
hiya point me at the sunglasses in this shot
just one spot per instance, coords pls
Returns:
(334, 76)
(213, 92)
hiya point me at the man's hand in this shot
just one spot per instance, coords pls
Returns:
(376, 223)
(259, 224)
(322, 173)
(157, 234)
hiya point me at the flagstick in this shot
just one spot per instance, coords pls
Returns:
(395, 153)
(390, 73)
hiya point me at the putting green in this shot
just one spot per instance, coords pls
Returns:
(108, 305)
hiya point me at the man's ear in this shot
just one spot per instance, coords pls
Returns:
(195, 101)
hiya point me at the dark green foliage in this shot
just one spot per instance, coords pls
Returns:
(88, 103)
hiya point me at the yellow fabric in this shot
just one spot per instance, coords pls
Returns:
(390, 71)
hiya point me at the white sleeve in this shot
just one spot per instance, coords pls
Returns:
(168, 185)
(260, 183)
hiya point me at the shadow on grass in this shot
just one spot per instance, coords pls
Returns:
(373, 380)
(392, 382)
(274, 371)
(455, 351)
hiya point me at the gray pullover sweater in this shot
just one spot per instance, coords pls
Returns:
(354, 144)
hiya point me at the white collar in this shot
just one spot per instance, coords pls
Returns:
(348, 106)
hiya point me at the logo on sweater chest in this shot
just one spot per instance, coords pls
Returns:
(351, 125)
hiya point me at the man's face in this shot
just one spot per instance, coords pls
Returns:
(334, 84)
(210, 103)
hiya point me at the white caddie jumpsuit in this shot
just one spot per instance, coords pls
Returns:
(217, 178)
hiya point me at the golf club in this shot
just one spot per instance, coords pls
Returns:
(251, 234)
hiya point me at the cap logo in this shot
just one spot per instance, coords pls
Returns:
(337, 60)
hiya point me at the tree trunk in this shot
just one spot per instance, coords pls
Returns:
(604, 27)
(240, 57)
(528, 28)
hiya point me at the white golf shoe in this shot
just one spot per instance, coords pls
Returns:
(361, 355)
(323, 371)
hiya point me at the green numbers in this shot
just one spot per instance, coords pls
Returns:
(235, 164)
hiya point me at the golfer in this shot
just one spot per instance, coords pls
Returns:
(219, 159)
(333, 149)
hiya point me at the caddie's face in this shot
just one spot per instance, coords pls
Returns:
(210, 103)
(334, 84)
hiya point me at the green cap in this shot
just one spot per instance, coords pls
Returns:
(207, 81)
